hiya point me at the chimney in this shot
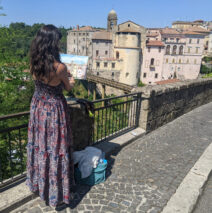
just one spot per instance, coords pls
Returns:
(77, 27)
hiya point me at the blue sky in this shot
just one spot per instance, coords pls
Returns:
(149, 13)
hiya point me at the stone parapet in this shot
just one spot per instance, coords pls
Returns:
(81, 124)
(163, 103)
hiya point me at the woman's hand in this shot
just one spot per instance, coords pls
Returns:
(71, 81)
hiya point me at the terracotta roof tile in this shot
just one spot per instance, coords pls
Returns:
(129, 31)
(152, 34)
(169, 31)
(155, 43)
(198, 29)
(103, 35)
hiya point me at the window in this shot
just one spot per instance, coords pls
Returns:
(189, 49)
(168, 50)
(97, 73)
(79, 34)
(117, 55)
(106, 52)
(74, 41)
(127, 74)
(179, 61)
(74, 50)
(74, 34)
(174, 51)
(149, 49)
(152, 62)
(128, 25)
(190, 40)
(83, 39)
(173, 60)
(178, 40)
(198, 41)
(112, 73)
(97, 64)
(87, 34)
(181, 50)
(187, 61)
(97, 52)
(197, 49)
(144, 75)
(156, 75)
(167, 60)
(159, 50)
(171, 39)
(113, 65)
(83, 33)
(105, 64)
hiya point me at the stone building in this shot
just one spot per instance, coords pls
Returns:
(79, 42)
(171, 53)
(184, 25)
(129, 53)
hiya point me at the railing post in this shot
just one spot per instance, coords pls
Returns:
(88, 90)
(138, 109)
(94, 91)
(103, 94)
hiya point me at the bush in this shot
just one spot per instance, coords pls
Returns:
(207, 59)
(205, 70)
(140, 84)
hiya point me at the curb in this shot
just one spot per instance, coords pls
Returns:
(190, 189)
(20, 194)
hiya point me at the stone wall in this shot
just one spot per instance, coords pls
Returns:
(163, 103)
(82, 125)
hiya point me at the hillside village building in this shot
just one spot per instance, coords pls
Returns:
(129, 53)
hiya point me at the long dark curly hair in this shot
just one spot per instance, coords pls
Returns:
(44, 51)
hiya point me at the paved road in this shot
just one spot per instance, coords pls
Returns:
(143, 176)
(205, 202)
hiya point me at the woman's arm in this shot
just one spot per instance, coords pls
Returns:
(63, 76)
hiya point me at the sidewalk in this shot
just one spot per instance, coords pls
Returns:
(204, 204)
(144, 175)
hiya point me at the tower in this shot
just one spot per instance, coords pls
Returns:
(111, 20)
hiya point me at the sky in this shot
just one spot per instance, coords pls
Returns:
(69, 13)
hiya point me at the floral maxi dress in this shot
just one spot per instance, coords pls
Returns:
(49, 148)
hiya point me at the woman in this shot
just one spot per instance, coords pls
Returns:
(49, 149)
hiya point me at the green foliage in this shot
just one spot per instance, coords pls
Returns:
(2, 14)
(16, 88)
(140, 84)
(15, 41)
(208, 75)
(207, 59)
(205, 70)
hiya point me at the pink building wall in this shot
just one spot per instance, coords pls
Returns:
(151, 74)
(183, 61)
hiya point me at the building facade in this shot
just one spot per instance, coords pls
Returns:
(129, 53)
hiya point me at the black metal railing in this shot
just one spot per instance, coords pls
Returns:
(115, 116)
(112, 117)
(13, 140)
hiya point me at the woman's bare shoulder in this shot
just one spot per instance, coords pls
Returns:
(61, 68)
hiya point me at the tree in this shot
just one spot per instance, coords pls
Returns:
(2, 14)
